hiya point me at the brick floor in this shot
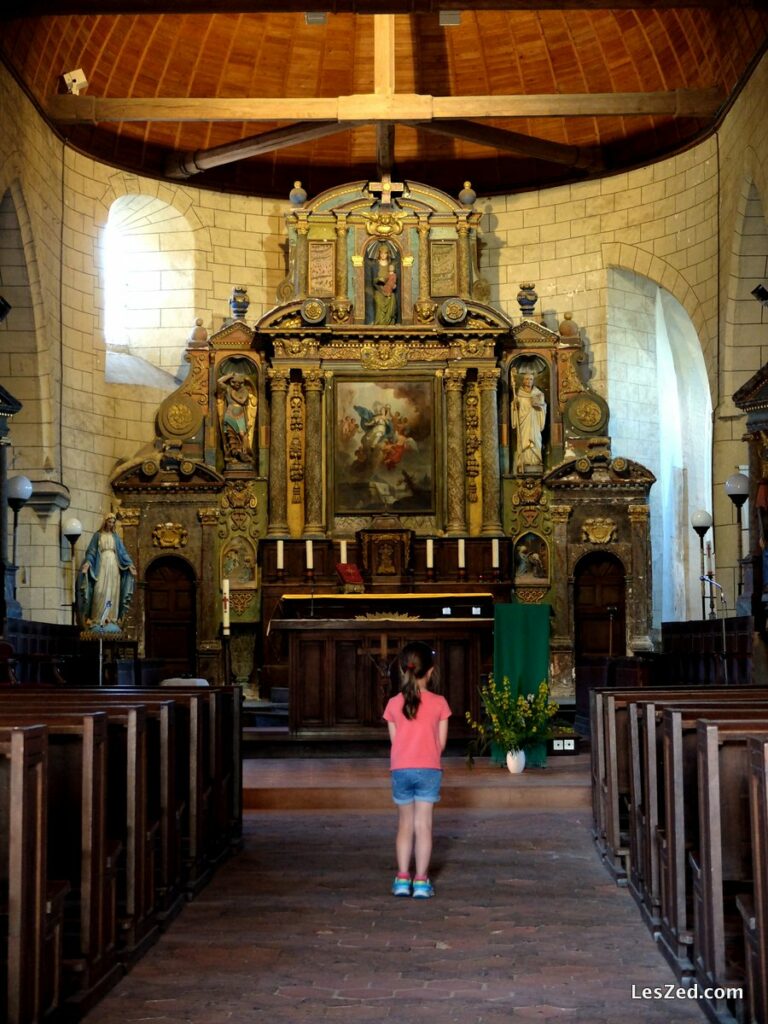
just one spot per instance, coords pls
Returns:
(300, 926)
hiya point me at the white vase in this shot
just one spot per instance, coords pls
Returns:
(515, 761)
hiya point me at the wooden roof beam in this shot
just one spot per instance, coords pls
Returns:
(372, 107)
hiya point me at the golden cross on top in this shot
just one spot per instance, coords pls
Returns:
(387, 187)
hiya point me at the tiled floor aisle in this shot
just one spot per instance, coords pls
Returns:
(526, 926)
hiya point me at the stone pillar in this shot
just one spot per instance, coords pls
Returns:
(562, 620)
(456, 520)
(463, 229)
(639, 610)
(302, 257)
(278, 503)
(314, 381)
(489, 451)
(342, 230)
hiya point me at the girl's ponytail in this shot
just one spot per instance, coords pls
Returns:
(415, 660)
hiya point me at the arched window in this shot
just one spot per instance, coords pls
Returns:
(148, 261)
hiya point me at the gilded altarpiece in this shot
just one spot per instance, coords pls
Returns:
(385, 389)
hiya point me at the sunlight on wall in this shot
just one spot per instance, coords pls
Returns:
(661, 415)
(148, 263)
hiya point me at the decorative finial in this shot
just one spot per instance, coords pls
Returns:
(467, 196)
(198, 335)
(297, 195)
(239, 302)
(568, 327)
(527, 299)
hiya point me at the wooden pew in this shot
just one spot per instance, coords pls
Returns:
(79, 849)
(164, 810)
(646, 803)
(23, 754)
(681, 827)
(189, 788)
(754, 909)
(723, 863)
(610, 764)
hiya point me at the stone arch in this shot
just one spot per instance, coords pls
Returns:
(28, 351)
(660, 396)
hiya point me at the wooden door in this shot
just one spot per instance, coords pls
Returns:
(600, 607)
(170, 626)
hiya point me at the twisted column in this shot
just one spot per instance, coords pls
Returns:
(278, 501)
(456, 524)
(341, 256)
(463, 229)
(488, 381)
(314, 381)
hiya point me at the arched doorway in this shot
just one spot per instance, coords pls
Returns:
(599, 602)
(170, 623)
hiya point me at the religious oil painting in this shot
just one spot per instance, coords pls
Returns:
(531, 560)
(384, 451)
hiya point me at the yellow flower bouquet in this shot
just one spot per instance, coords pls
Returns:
(512, 723)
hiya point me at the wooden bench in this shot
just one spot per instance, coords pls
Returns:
(679, 833)
(23, 754)
(722, 864)
(610, 762)
(646, 802)
(754, 909)
(80, 849)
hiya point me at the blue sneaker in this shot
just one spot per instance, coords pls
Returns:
(423, 889)
(401, 886)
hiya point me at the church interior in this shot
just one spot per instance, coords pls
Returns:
(323, 332)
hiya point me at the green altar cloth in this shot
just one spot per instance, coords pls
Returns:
(521, 645)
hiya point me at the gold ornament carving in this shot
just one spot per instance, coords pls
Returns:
(384, 355)
(170, 535)
(313, 310)
(570, 382)
(598, 530)
(296, 442)
(425, 311)
(638, 513)
(279, 379)
(561, 513)
(472, 440)
(241, 600)
(129, 516)
(530, 492)
(454, 379)
(586, 413)
(384, 224)
(530, 595)
(341, 312)
(239, 494)
(357, 260)
(208, 516)
(529, 516)
(196, 384)
(394, 616)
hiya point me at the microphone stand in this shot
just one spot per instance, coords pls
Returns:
(724, 606)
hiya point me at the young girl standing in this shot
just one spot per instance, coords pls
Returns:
(418, 728)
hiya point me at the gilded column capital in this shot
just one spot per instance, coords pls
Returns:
(463, 228)
(279, 378)
(560, 513)
(208, 516)
(638, 513)
(129, 516)
(454, 379)
(488, 380)
(302, 226)
(314, 380)
(341, 223)
(423, 225)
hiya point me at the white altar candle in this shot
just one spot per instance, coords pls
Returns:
(343, 550)
(310, 554)
(225, 605)
(430, 553)
(461, 553)
(280, 554)
(495, 553)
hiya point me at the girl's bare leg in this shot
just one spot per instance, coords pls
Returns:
(404, 842)
(422, 828)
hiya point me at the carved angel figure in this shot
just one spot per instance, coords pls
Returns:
(237, 402)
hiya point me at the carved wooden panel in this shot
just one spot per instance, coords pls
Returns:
(322, 269)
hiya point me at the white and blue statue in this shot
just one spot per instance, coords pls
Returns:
(106, 582)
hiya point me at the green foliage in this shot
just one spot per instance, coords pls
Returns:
(514, 724)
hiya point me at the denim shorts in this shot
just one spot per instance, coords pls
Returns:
(409, 784)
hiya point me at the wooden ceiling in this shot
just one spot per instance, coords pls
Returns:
(518, 96)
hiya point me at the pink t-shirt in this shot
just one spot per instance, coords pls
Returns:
(417, 741)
